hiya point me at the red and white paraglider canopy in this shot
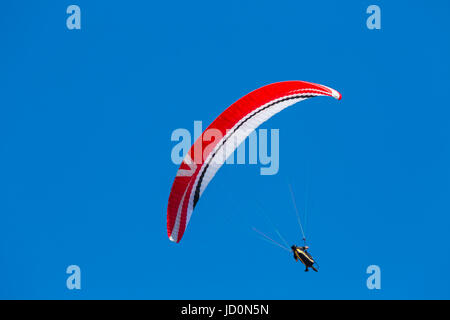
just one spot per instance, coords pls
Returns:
(235, 125)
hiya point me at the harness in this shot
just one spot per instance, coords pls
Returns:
(305, 256)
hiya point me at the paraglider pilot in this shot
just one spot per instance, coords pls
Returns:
(302, 254)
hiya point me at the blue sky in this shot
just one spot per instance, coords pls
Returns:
(85, 171)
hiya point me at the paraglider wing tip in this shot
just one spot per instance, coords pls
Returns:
(171, 238)
(336, 94)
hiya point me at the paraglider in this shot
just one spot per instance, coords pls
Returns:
(302, 254)
(236, 123)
